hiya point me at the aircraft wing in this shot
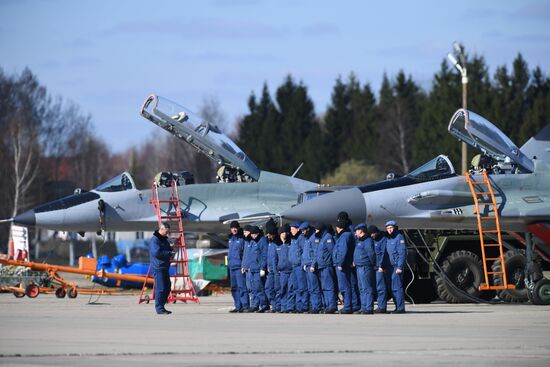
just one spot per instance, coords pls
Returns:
(479, 133)
(201, 134)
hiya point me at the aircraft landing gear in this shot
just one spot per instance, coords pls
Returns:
(541, 293)
(537, 286)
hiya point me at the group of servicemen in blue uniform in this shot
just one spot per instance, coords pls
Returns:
(300, 268)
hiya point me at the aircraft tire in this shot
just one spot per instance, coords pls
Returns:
(72, 293)
(541, 293)
(515, 262)
(60, 292)
(32, 291)
(465, 270)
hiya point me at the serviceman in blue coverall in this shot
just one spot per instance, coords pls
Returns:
(364, 260)
(342, 256)
(397, 255)
(324, 243)
(234, 261)
(382, 263)
(255, 263)
(284, 269)
(251, 293)
(308, 262)
(298, 301)
(160, 253)
(272, 281)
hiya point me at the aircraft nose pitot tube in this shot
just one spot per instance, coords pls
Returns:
(325, 209)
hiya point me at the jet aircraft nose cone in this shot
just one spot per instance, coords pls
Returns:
(325, 208)
(27, 218)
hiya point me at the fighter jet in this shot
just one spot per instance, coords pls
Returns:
(244, 192)
(434, 196)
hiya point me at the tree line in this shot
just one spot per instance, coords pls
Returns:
(48, 145)
(361, 135)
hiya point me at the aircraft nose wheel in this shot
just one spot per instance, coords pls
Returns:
(541, 293)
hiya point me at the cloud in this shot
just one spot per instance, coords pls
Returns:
(524, 13)
(522, 38)
(198, 28)
(233, 3)
(76, 62)
(80, 42)
(216, 56)
(320, 29)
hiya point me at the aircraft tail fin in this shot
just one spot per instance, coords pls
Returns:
(539, 145)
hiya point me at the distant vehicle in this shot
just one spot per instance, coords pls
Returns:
(435, 198)
(243, 192)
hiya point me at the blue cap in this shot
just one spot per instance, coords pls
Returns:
(362, 226)
(391, 223)
(295, 225)
(304, 225)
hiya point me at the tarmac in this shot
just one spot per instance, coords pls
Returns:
(117, 331)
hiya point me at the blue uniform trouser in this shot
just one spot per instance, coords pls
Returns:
(257, 285)
(314, 289)
(162, 288)
(299, 283)
(365, 278)
(344, 284)
(381, 290)
(271, 285)
(238, 289)
(328, 285)
(283, 292)
(397, 288)
(355, 297)
(251, 292)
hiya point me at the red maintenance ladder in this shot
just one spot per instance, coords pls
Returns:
(488, 223)
(170, 211)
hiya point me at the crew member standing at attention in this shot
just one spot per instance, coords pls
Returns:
(323, 264)
(272, 281)
(256, 261)
(342, 256)
(160, 253)
(298, 277)
(397, 254)
(381, 266)
(308, 263)
(284, 269)
(234, 261)
(252, 295)
(364, 259)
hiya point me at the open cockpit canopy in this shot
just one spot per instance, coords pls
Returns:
(203, 135)
(481, 134)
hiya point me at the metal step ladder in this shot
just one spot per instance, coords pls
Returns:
(170, 211)
(488, 223)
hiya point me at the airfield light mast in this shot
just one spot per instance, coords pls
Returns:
(461, 67)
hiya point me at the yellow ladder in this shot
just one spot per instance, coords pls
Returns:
(488, 224)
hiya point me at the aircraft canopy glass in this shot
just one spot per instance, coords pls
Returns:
(203, 135)
(439, 167)
(121, 182)
(478, 132)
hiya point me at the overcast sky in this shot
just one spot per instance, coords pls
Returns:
(107, 56)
